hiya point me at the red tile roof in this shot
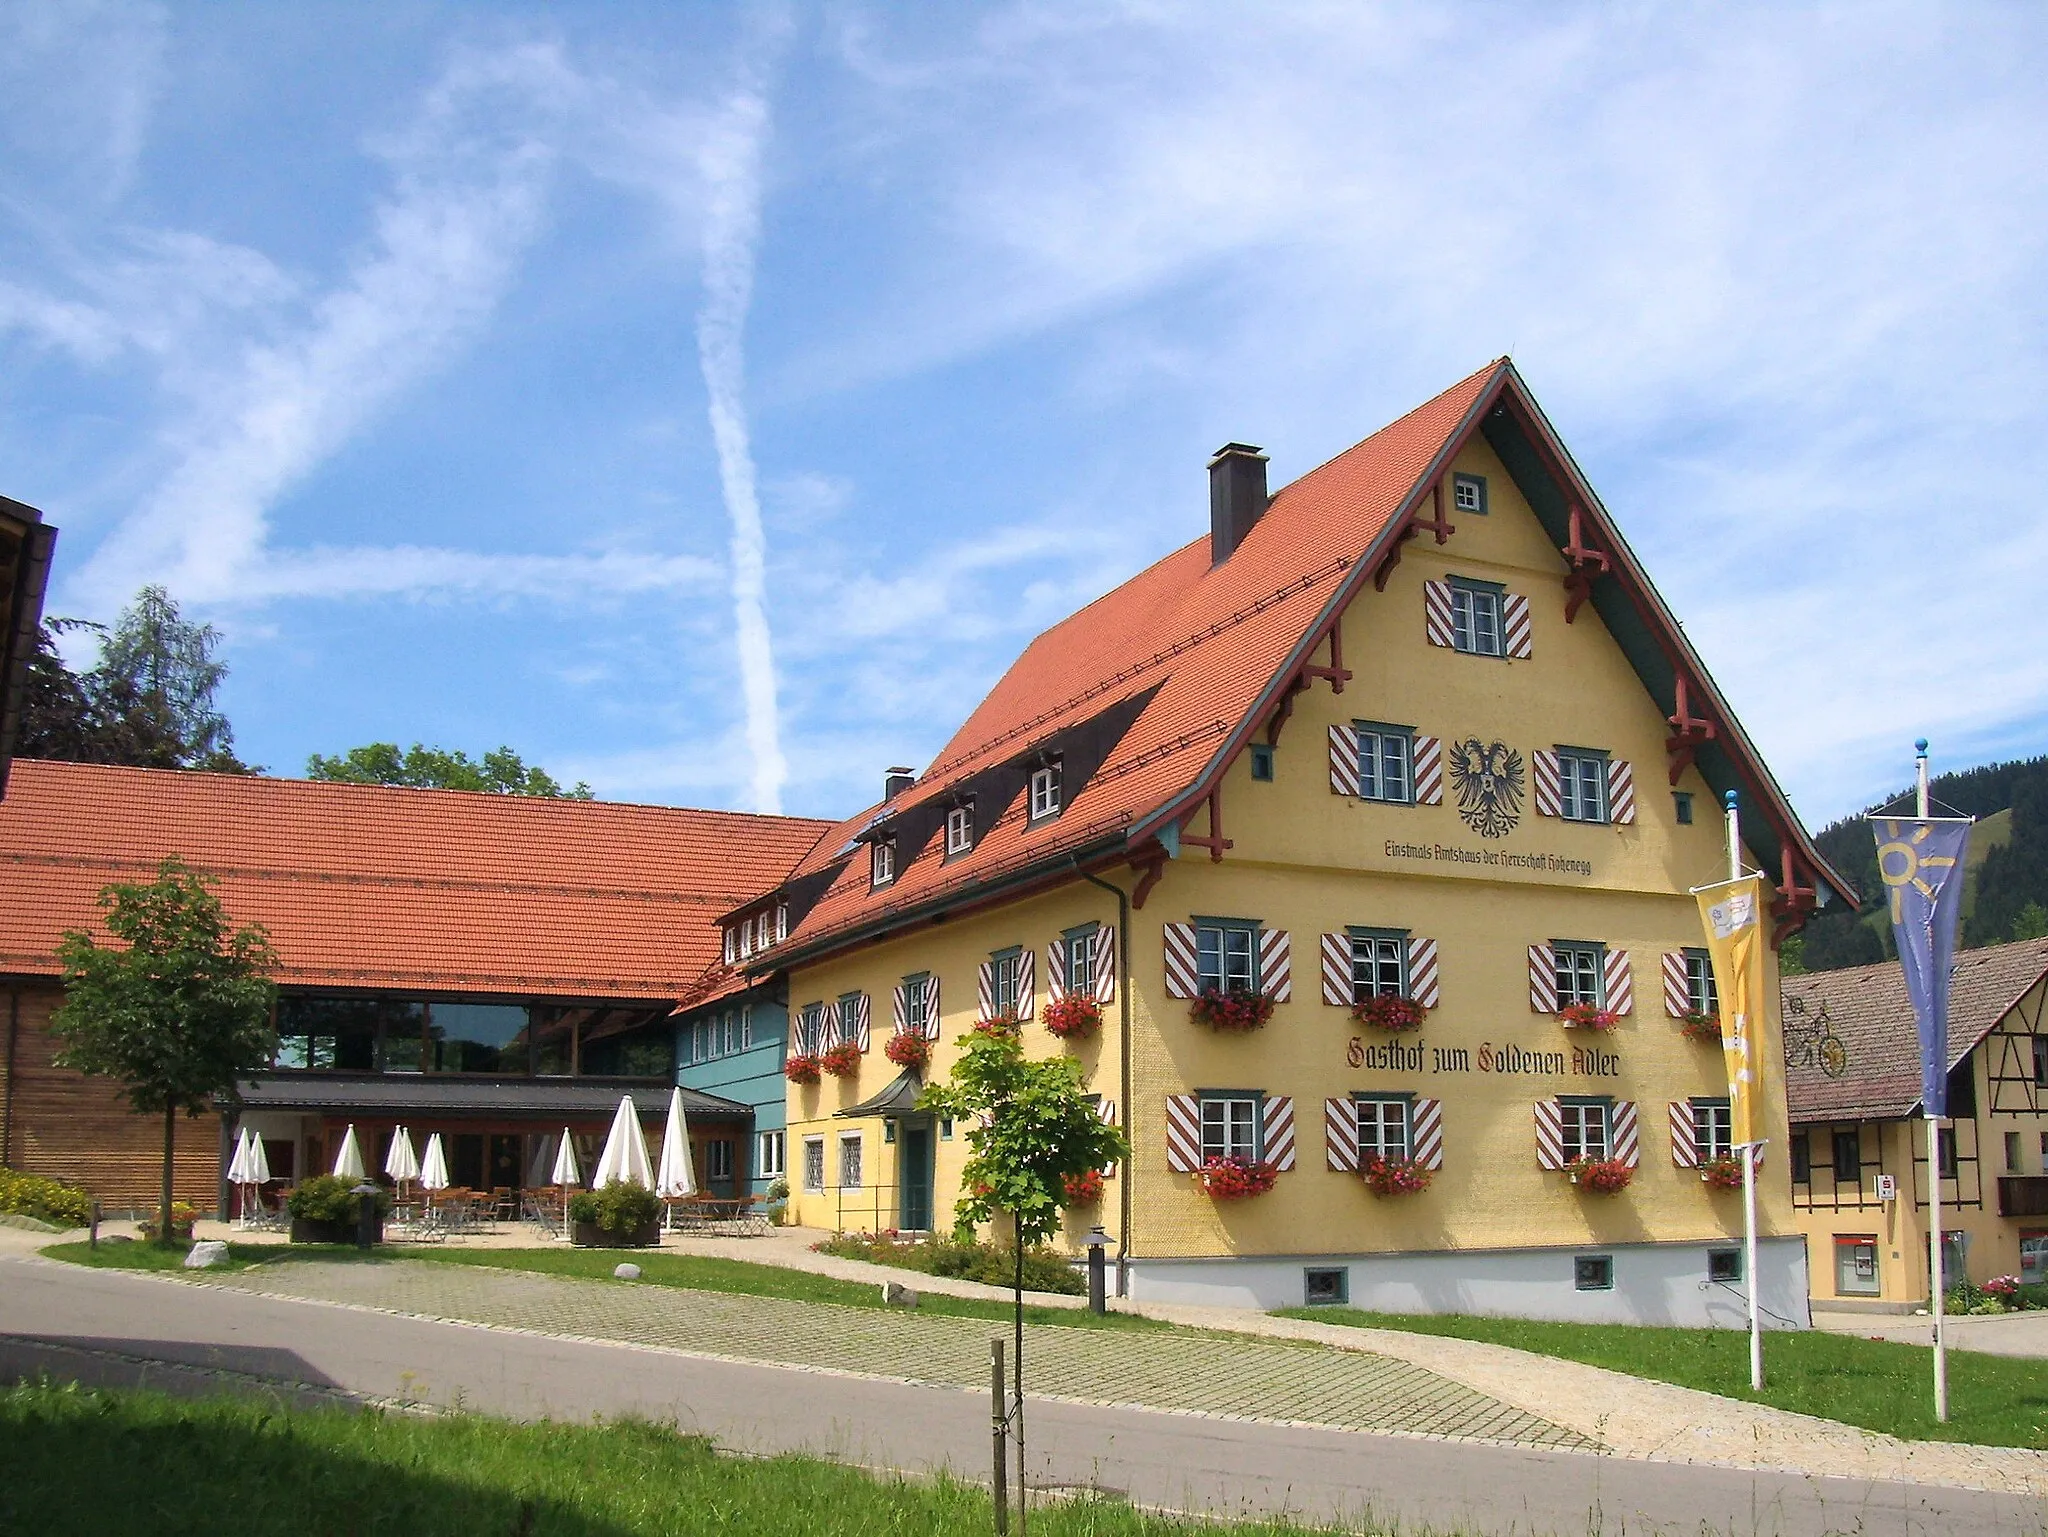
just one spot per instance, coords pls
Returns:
(1213, 646)
(427, 890)
(1867, 1007)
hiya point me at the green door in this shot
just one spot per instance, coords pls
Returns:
(914, 1162)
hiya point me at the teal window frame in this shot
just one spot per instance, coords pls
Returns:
(1681, 807)
(1227, 1101)
(1593, 1272)
(1701, 995)
(1004, 978)
(845, 1016)
(1262, 761)
(1476, 484)
(1713, 1126)
(1477, 617)
(1373, 951)
(917, 1000)
(1232, 940)
(1582, 784)
(1078, 944)
(1386, 762)
(1574, 1123)
(1380, 1104)
(1572, 960)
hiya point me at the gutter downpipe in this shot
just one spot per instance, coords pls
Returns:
(1125, 1204)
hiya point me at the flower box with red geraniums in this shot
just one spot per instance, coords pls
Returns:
(1073, 1016)
(1388, 1011)
(1005, 1027)
(801, 1069)
(1584, 1016)
(1723, 1173)
(841, 1061)
(1083, 1189)
(907, 1048)
(1602, 1176)
(1235, 1010)
(1395, 1176)
(1236, 1179)
(1700, 1027)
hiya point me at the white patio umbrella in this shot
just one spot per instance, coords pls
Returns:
(402, 1163)
(348, 1163)
(625, 1151)
(434, 1167)
(565, 1174)
(238, 1165)
(676, 1176)
(258, 1166)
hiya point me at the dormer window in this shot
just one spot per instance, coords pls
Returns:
(882, 861)
(746, 937)
(781, 922)
(960, 828)
(732, 944)
(1045, 790)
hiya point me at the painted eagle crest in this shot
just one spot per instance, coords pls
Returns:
(1488, 779)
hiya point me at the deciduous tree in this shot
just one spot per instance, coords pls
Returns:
(420, 767)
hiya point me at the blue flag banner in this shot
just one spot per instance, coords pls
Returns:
(1922, 865)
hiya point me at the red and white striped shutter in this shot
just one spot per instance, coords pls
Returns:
(1424, 983)
(1027, 991)
(1620, 979)
(987, 986)
(931, 1007)
(1685, 1145)
(1104, 945)
(1426, 1132)
(1182, 979)
(1542, 980)
(1621, 791)
(1626, 1141)
(900, 1007)
(1436, 613)
(1677, 985)
(1549, 1134)
(1429, 771)
(1343, 760)
(1516, 630)
(1276, 965)
(1543, 775)
(1106, 1109)
(1340, 1135)
(1183, 1133)
(860, 1022)
(1277, 1133)
(1056, 971)
(1337, 970)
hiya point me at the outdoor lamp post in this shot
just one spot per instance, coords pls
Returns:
(366, 1214)
(1098, 1266)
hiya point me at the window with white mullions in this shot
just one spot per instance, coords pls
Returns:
(1382, 1126)
(769, 1157)
(1003, 980)
(1230, 1126)
(1045, 790)
(917, 1003)
(1475, 618)
(1079, 945)
(1581, 785)
(1226, 956)
(882, 862)
(1700, 994)
(960, 828)
(848, 1016)
(1379, 965)
(1385, 756)
(1585, 1125)
(1713, 1134)
(1580, 971)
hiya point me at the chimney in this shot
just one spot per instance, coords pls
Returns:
(1237, 497)
(896, 781)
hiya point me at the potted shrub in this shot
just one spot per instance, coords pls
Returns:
(775, 1201)
(1395, 1176)
(1236, 1179)
(1723, 1173)
(1700, 1027)
(1584, 1016)
(623, 1215)
(1073, 1017)
(1238, 1009)
(908, 1048)
(1388, 1011)
(323, 1210)
(841, 1061)
(1602, 1176)
(1083, 1189)
(183, 1215)
(802, 1068)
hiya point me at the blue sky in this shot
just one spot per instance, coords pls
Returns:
(710, 401)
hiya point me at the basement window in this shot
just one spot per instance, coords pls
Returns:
(1593, 1272)
(1468, 493)
(1326, 1288)
(1724, 1265)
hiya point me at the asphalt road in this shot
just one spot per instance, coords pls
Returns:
(105, 1327)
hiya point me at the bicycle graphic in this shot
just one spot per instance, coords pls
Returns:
(1810, 1040)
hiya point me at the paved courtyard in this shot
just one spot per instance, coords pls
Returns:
(1233, 1378)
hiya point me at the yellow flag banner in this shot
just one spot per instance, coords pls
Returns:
(1733, 915)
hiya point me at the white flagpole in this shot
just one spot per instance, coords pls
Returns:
(1936, 1279)
(1756, 1332)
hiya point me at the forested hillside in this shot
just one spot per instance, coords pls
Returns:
(2007, 894)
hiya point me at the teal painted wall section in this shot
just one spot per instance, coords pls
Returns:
(743, 1063)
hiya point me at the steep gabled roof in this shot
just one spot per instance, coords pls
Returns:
(364, 886)
(1867, 1007)
(26, 544)
(1205, 655)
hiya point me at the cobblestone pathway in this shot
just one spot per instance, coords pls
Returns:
(1253, 1379)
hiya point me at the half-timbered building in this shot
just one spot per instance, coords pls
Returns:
(1409, 759)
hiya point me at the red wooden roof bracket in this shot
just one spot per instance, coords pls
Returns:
(1150, 870)
(1586, 564)
(1435, 524)
(1336, 674)
(1689, 732)
(1283, 709)
(1214, 841)
(1794, 904)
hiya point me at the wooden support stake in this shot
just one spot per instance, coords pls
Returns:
(999, 1433)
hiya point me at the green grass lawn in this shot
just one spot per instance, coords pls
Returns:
(91, 1463)
(1993, 1400)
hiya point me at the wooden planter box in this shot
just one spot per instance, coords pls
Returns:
(588, 1235)
(304, 1230)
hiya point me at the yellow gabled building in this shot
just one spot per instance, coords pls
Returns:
(1417, 725)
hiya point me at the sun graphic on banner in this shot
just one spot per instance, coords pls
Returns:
(1900, 862)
